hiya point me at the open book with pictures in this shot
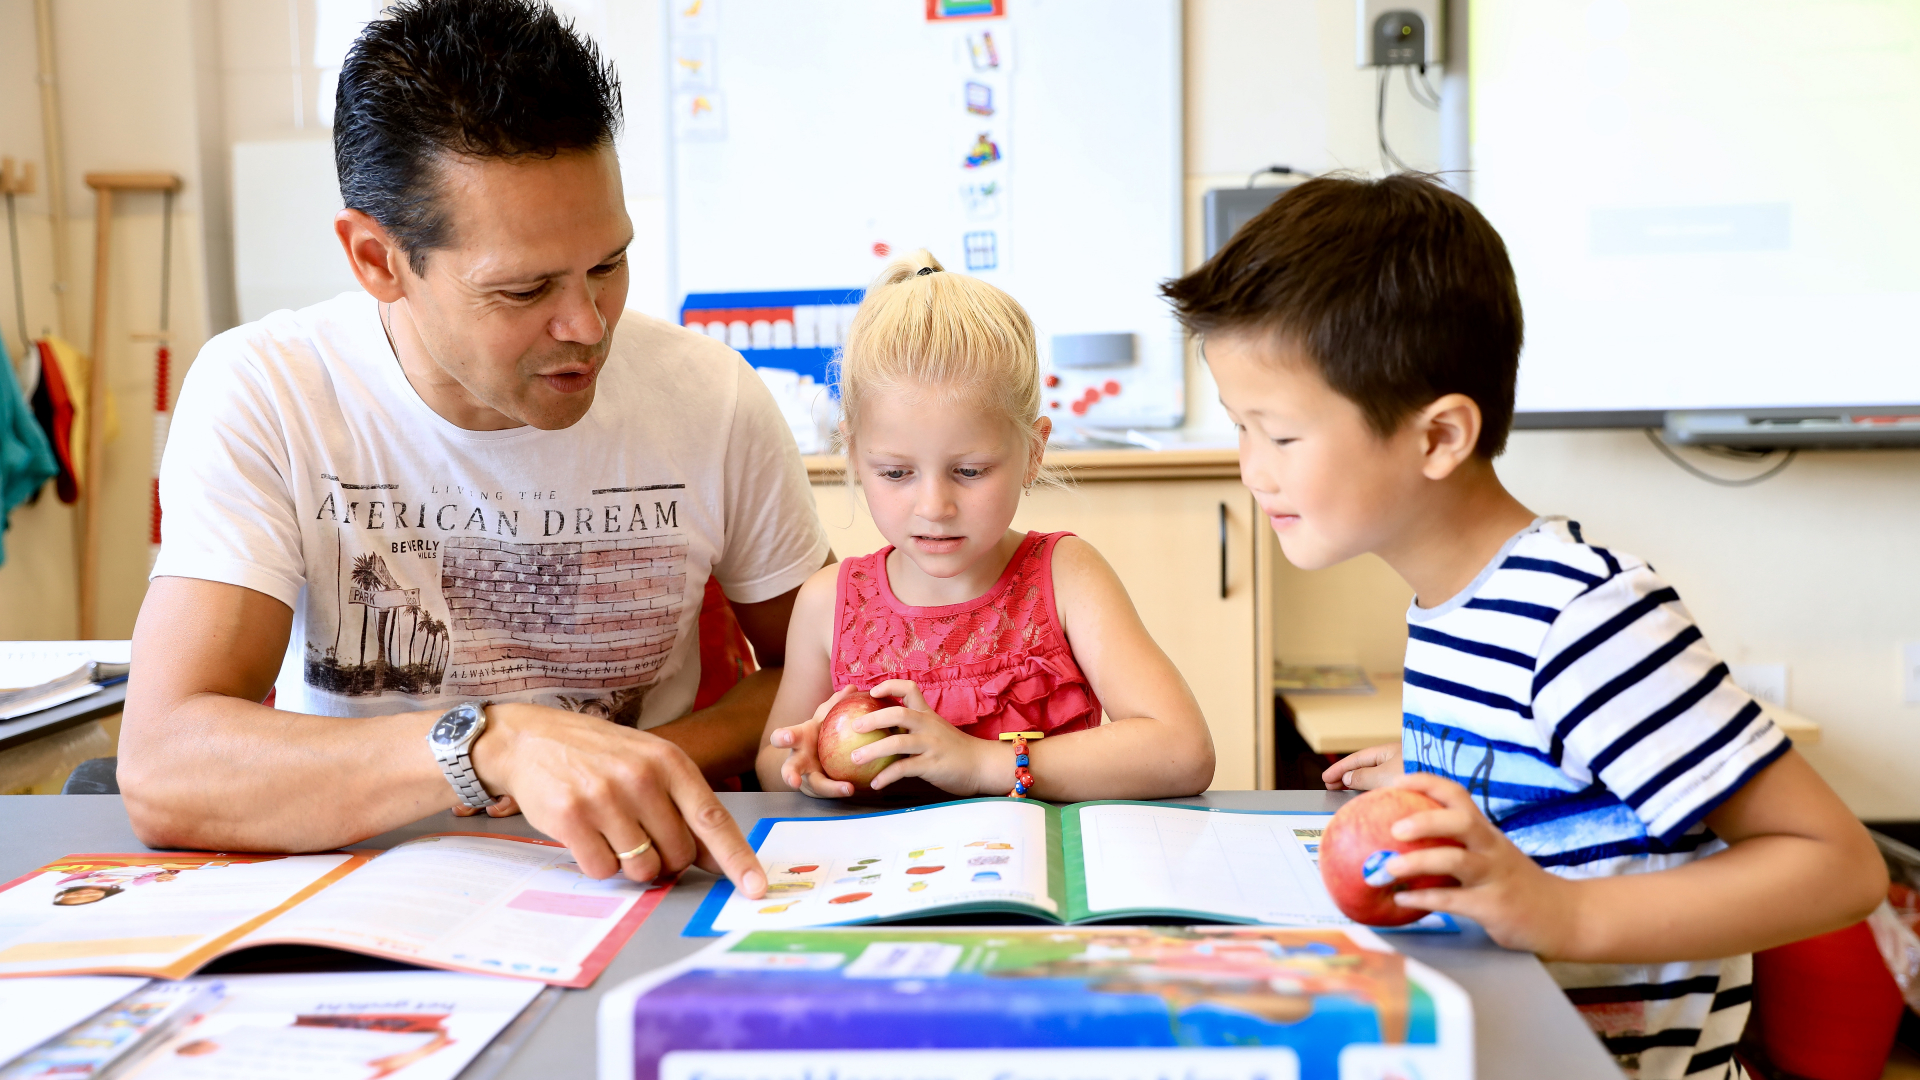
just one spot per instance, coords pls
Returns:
(1085, 862)
(498, 905)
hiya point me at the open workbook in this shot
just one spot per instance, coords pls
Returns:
(1086, 862)
(499, 905)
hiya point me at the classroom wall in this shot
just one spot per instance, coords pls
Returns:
(104, 48)
(1814, 569)
(1809, 569)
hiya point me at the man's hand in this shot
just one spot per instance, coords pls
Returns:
(802, 770)
(1363, 770)
(504, 806)
(930, 748)
(602, 789)
(1520, 905)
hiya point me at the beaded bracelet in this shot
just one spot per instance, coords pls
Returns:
(1022, 775)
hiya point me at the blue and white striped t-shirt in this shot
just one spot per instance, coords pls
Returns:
(1570, 692)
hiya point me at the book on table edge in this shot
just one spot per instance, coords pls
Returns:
(1091, 1002)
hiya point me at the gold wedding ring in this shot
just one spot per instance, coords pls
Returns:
(635, 853)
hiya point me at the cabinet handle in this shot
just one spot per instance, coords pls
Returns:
(1223, 551)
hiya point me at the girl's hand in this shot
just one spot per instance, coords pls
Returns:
(802, 770)
(1501, 888)
(931, 748)
(1374, 767)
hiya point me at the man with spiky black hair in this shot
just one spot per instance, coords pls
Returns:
(473, 506)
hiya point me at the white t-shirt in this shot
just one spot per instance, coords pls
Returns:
(427, 564)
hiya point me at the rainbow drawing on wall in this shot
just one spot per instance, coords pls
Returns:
(938, 10)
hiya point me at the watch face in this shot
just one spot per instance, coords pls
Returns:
(455, 725)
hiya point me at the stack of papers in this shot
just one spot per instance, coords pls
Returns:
(37, 675)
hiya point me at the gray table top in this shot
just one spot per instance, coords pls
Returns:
(1524, 1027)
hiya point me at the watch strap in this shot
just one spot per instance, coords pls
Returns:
(456, 764)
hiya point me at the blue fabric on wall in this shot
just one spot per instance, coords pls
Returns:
(26, 459)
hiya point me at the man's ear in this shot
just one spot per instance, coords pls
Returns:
(372, 254)
(1449, 430)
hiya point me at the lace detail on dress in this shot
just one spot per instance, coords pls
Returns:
(997, 663)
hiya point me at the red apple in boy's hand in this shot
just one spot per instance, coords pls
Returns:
(837, 740)
(1362, 828)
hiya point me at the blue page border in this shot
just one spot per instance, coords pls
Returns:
(701, 924)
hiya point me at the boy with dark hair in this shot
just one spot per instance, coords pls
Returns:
(1627, 812)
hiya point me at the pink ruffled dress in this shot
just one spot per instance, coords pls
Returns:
(996, 663)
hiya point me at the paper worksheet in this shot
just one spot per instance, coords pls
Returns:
(38, 1009)
(414, 1025)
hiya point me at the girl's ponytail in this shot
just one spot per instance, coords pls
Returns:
(923, 330)
(917, 263)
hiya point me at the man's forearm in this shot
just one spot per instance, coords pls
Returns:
(724, 737)
(220, 773)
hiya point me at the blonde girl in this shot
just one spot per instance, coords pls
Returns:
(979, 629)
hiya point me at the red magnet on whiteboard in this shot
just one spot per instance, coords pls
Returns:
(881, 250)
(1053, 381)
(1080, 408)
(1112, 387)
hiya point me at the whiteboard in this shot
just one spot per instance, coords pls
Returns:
(1706, 203)
(812, 140)
(285, 254)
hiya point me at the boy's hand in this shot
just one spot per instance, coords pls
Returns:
(802, 769)
(930, 748)
(1501, 888)
(1362, 770)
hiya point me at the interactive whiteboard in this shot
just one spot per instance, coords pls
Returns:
(1709, 204)
(1034, 143)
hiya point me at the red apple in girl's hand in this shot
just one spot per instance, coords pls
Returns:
(1357, 832)
(837, 740)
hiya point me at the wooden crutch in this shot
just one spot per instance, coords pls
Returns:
(104, 186)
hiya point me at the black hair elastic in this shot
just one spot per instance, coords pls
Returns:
(925, 270)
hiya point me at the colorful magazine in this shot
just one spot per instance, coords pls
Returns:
(1085, 862)
(1226, 1003)
(497, 905)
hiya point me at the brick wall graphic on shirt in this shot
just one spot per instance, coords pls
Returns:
(586, 614)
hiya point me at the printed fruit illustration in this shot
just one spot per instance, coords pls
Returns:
(837, 740)
(916, 886)
(779, 887)
(776, 909)
(925, 869)
(807, 869)
(850, 898)
(987, 875)
(1362, 830)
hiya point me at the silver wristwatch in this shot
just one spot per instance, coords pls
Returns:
(451, 739)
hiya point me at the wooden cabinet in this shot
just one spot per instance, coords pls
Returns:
(1187, 541)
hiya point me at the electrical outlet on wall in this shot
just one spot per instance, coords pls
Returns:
(1910, 673)
(1768, 682)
